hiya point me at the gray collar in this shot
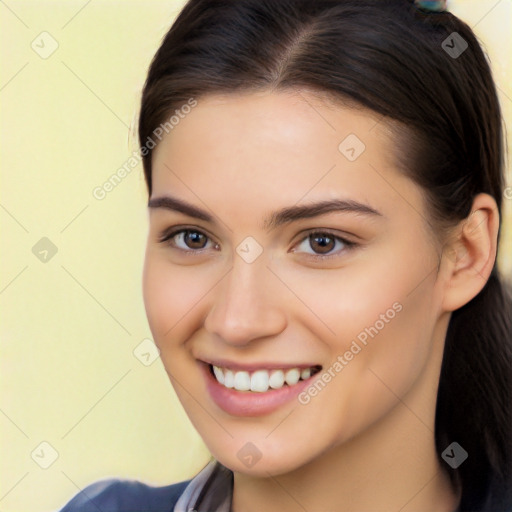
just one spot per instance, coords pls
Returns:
(209, 491)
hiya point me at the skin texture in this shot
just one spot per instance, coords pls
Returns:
(366, 441)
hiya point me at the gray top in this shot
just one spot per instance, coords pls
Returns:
(211, 490)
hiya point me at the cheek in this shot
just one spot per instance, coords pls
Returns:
(171, 294)
(376, 292)
(382, 313)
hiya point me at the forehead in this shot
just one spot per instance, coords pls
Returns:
(278, 148)
(290, 124)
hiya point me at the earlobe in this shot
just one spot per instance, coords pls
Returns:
(470, 257)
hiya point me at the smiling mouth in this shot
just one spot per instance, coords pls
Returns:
(260, 381)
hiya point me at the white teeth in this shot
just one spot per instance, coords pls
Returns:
(305, 374)
(218, 374)
(242, 381)
(276, 379)
(260, 381)
(292, 376)
(229, 378)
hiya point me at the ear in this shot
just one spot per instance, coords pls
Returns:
(469, 257)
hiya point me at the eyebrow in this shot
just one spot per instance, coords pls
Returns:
(278, 218)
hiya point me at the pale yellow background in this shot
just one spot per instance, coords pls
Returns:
(69, 326)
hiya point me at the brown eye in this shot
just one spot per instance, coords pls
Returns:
(187, 240)
(322, 243)
(194, 239)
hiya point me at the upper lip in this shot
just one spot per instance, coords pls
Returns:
(248, 367)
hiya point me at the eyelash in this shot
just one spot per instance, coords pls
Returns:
(166, 238)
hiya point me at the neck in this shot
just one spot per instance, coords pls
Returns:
(392, 465)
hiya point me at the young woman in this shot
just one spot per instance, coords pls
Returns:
(325, 184)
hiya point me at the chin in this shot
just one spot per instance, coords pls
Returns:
(260, 459)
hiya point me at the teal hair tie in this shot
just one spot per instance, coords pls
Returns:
(431, 5)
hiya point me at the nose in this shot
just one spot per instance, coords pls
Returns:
(246, 304)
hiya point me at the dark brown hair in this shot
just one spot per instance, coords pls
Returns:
(388, 56)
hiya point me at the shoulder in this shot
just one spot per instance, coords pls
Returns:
(122, 495)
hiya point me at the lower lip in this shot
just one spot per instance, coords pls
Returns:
(249, 403)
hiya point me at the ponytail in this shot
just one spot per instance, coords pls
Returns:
(474, 406)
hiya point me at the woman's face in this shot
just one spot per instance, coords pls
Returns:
(266, 291)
